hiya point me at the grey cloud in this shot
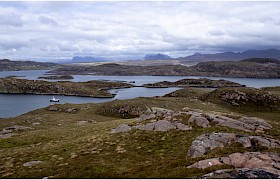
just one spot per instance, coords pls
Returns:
(10, 20)
(132, 29)
(47, 20)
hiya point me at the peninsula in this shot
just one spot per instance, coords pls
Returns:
(89, 89)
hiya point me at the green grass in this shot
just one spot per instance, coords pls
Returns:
(144, 154)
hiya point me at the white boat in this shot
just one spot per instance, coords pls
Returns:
(54, 99)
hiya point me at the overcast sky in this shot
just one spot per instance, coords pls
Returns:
(129, 30)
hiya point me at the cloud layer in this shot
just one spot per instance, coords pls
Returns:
(129, 30)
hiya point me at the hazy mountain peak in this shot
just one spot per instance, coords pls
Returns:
(157, 56)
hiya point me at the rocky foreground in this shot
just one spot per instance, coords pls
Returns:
(250, 164)
(89, 89)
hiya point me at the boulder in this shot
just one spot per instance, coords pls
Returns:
(199, 121)
(238, 160)
(121, 128)
(31, 163)
(164, 125)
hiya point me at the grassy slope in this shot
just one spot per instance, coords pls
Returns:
(148, 154)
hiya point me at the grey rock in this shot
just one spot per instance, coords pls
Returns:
(16, 128)
(71, 110)
(52, 108)
(82, 122)
(7, 135)
(121, 128)
(146, 127)
(163, 125)
(31, 163)
(245, 141)
(161, 111)
(260, 141)
(199, 121)
(144, 117)
(183, 127)
(256, 122)
(249, 124)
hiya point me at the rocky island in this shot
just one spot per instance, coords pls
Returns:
(202, 83)
(62, 77)
(89, 89)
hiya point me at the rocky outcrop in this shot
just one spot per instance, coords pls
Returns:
(248, 164)
(58, 108)
(250, 98)
(63, 77)
(249, 124)
(8, 132)
(16, 128)
(160, 119)
(206, 142)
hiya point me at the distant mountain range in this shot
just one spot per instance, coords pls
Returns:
(197, 57)
(225, 56)
(79, 59)
(232, 56)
